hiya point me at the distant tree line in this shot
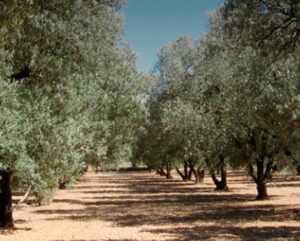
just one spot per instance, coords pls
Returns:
(231, 98)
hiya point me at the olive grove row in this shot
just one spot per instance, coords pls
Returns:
(67, 96)
(229, 98)
(70, 95)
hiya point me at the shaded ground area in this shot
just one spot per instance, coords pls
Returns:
(143, 206)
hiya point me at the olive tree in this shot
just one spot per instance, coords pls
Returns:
(47, 63)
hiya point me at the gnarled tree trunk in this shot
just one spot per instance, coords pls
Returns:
(194, 172)
(198, 174)
(188, 171)
(183, 177)
(262, 175)
(166, 173)
(160, 171)
(6, 218)
(222, 184)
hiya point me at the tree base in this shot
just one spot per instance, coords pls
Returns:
(262, 198)
(222, 189)
(7, 226)
(262, 193)
(6, 217)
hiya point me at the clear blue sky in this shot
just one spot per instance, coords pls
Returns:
(151, 24)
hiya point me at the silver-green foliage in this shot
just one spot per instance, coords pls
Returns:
(80, 95)
(232, 92)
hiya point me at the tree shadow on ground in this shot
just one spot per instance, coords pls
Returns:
(76, 240)
(97, 240)
(10, 231)
(146, 199)
(231, 233)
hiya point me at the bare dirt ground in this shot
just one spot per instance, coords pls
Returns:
(144, 206)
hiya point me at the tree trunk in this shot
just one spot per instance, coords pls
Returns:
(62, 184)
(190, 172)
(6, 218)
(186, 171)
(261, 191)
(262, 175)
(183, 177)
(169, 169)
(298, 170)
(160, 171)
(200, 174)
(220, 185)
(197, 180)
(194, 172)
(164, 173)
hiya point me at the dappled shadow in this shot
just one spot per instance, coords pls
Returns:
(278, 185)
(20, 221)
(137, 200)
(97, 240)
(220, 232)
(95, 187)
(13, 230)
(188, 211)
(153, 200)
(76, 240)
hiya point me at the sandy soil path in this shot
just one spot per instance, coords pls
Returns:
(144, 206)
